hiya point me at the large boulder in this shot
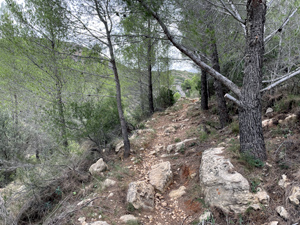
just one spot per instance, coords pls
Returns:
(98, 167)
(161, 176)
(225, 188)
(141, 195)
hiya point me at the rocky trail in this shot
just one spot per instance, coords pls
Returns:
(183, 170)
(165, 187)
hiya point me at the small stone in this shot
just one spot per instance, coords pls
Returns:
(81, 219)
(108, 183)
(85, 201)
(127, 218)
(204, 217)
(282, 212)
(98, 167)
(98, 223)
(222, 144)
(152, 152)
(269, 110)
(273, 223)
(193, 175)
(110, 195)
(295, 197)
(164, 204)
(177, 193)
(269, 165)
(283, 182)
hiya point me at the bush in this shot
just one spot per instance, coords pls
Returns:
(177, 96)
(98, 121)
(165, 98)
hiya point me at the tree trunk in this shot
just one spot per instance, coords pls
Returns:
(61, 115)
(59, 101)
(204, 92)
(119, 100)
(150, 88)
(140, 74)
(117, 81)
(251, 134)
(222, 108)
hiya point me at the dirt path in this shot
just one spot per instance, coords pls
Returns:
(171, 127)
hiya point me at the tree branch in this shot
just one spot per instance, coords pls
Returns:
(281, 80)
(268, 38)
(233, 99)
(237, 14)
(228, 83)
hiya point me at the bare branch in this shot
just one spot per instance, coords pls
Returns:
(232, 13)
(228, 83)
(268, 38)
(237, 14)
(233, 99)
(281, 80)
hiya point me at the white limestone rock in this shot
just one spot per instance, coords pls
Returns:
(141, 195)
(225, 188)
(282, 212)
(284, 181)
(161, 176)
(98, 223)
(108, 183)
(205, 216)
(178, 146)
(177, 193)
(127, 218)
(98, 167)
(295, 196)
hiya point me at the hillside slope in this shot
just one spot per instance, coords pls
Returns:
(102, 197)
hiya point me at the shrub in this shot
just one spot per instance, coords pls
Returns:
(165, 98)
(176, 96)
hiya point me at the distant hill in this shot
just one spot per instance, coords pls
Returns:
(180, 76)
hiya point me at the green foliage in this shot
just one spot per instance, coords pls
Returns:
(177, 96)
(192, 87)
(235, 127)
(93, 119)
(203, 136)
(234, 146)
(250, 161)
(254, 183)
(177, 140)
(132, 222)
(165, 98)
(186, 85)
(130, 207)
(287, 103)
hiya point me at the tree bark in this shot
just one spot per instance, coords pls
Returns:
(222, 108)
(59, 101)
(251, 134)
(204, 93)
(119, 101)
(61, 115)
(150, 88)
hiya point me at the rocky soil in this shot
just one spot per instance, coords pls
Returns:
(170, 177)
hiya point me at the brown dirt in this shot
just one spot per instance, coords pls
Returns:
(189, 120)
